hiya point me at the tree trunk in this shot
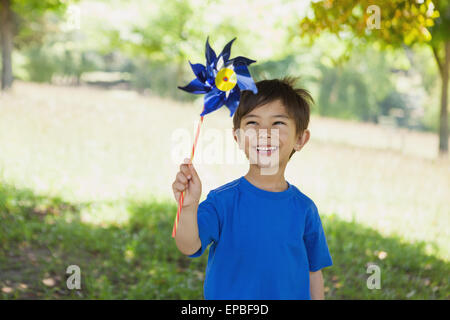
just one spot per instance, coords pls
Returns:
(443, 124)
(443, 66)
(6, 34)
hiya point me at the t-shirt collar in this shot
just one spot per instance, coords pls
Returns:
(248, 187)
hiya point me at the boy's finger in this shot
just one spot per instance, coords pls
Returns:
(178, 186)
(177, 195)
(181, 177)
(195, 176)
(185, 170)
(185, 163)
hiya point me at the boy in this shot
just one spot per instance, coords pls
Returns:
(267, 237)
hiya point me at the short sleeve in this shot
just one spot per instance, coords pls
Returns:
(208, 223)
(315, 242)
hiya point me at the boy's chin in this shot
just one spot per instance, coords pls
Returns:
(265, 162)
(268, 169)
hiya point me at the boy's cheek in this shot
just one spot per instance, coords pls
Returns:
(246, 142)
(249, 148)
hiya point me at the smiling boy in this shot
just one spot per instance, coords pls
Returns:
(266, 236)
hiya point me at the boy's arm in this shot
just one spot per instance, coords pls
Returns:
(316, 285)
(187, 238)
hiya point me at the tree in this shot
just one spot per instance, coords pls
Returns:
(6, 32)
(391, 24)
(12, 13)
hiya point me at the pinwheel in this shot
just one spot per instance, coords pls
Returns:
(221, 80)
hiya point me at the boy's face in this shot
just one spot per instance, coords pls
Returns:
(268, 135)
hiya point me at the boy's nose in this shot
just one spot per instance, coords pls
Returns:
(263, 132)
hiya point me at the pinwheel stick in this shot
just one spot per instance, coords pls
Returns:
(180, 203)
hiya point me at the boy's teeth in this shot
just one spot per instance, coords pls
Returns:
(266, 148)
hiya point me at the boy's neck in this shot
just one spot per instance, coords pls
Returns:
(272, 182)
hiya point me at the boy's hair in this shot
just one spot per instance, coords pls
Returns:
(297, 101)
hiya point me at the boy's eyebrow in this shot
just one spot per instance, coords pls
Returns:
(281, 116)
(274, 116)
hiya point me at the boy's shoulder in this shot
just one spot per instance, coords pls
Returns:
(302, 197)
(227, 187)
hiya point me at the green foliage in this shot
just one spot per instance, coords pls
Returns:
(48, 49)
(274, 68)
(44, 62)
(160, 78)
(439, 29)
(344, 94)
(355, 88)
(165, 37)
(40, 66)
(35, 18)
(401, 21)
(393, 100)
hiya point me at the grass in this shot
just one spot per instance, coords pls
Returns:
(85, 179)
(41, 237)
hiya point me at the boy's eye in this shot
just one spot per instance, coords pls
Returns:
(281, 122)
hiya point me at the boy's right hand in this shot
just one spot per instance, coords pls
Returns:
(187, 180)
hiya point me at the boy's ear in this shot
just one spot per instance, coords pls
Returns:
(237, 136)
(302, 140)
(235, 131)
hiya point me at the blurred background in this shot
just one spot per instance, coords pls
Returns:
(89, 107)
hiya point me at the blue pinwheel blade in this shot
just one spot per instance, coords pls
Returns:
(211, 60)
(213, 101)
(225, 54)
(237, 61)
(209, 53)
(232, 102)
(196, 87)
(199, 71)
(244, 79)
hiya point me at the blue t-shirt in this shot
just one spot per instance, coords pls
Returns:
(264, 243)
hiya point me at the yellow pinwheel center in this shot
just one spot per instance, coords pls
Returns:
(226, 79)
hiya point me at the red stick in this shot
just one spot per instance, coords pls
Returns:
(180, 203)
